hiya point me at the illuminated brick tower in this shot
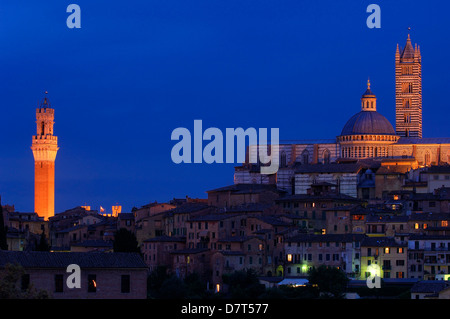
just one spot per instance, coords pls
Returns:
(44, 147)
(408, 91)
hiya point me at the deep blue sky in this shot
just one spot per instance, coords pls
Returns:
(136, 70)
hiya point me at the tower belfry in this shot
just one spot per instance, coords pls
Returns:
(44, 147)
(408, 91)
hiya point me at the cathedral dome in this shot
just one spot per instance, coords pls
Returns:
(368, 122)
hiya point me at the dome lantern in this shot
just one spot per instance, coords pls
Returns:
(368, 100)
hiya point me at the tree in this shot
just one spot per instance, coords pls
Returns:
(243, 284)
(195, 286)
(10, 288)
(330, 280)
(125, 241)
(155, 280)
(173, 288)
(43, 245)
(3, 241)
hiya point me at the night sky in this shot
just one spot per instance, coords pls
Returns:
(136, 70)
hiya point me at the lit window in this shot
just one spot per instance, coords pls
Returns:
(444, 223)
(416, 226)
(386, 250)
(92, 283)
(289, 257)
(400, 250)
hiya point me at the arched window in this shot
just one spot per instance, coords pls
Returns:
(305, 157)
(326, 156)
(427, 158)
(42, 128)
(283, 159)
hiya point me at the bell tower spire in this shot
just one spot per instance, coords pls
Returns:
(44, 146)
(408, 90)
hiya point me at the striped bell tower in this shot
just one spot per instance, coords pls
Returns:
(408, 91)
(44, 147)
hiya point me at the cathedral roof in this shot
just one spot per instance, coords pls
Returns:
(368, 122)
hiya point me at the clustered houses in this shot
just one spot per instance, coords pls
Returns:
(404, 235)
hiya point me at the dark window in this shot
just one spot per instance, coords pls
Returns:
(59, 283)
(92, 283)
(25, 281)
(125, 284)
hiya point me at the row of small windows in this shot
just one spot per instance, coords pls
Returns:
(369, 105)
(368, 138)
(324, 244)
(305, 157)
(364, 151)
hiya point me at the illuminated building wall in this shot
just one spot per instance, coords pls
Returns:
(44, 147)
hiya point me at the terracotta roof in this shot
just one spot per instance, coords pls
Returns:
(326, 238)
(429, 216)
(189, 251)
(165, 239)
(381, 242)
(322, 198)
(94, 243)
(329, 168)
(237, 239)
(247, 188)
(211, 217)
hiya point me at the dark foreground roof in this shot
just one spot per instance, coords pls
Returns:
(247, 188)
(430, 286)
(38, 259)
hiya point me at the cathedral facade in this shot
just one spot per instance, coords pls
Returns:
(367, 140)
